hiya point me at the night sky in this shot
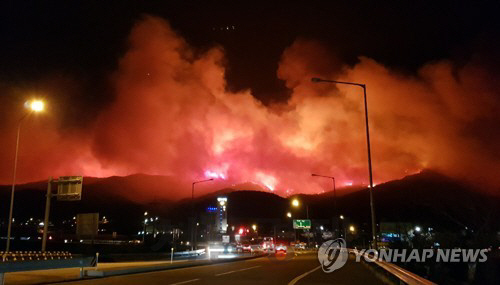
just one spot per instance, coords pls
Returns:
(85, 39)
(79, 56)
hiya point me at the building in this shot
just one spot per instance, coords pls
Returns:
(221, 216)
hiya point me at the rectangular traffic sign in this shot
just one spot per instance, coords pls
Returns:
(69, 188)
(301, 224)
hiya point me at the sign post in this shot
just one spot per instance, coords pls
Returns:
(69, 188)
(47, 211)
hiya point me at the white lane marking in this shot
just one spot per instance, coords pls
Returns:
(184, 282)
(233, 271)
(296, 279)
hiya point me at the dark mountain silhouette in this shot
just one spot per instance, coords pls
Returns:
(427, 198)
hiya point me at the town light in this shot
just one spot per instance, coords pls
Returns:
(351, 229)
(341, 217)
(289, 214)
(417, 229)
(254, 227)
(295, 202)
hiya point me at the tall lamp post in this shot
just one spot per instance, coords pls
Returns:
(34, 106)
(372, 206)
(296, 203)
(334, 197)
(192, 210)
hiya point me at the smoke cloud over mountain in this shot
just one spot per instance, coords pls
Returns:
(172, 115)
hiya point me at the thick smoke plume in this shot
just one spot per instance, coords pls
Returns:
(173, 116)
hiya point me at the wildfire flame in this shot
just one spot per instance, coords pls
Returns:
(173, 115)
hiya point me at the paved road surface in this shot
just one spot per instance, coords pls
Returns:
(295, 269)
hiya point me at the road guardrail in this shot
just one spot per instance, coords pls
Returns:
(190, 252)
(33, 255)
(403, 275)
(29, 261)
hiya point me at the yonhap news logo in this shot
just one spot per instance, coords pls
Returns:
(422, 255)
(332, 255)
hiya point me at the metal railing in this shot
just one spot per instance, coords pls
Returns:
(33, 255)
(29, 261)
(190, 252)
(404, 276)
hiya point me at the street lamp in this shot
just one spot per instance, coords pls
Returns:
(372, 206)
(192, 210)
(289, 214)
(296, 203)
(254, 227)
(33, 106)
(351, 229)
(334, 196)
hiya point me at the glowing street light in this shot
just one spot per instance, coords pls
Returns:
(341, 217)
(289, 214)
(418, 229)
(296, 203)
(372, 206)
(254, 227)
(145, 213)
(34, 106)
(352, 229)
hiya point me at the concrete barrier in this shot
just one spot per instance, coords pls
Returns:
(145, 269)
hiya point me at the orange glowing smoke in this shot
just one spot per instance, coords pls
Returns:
(173, 116)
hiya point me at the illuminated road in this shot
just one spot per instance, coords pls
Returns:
(300, 269)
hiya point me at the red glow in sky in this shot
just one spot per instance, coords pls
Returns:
(173, 116)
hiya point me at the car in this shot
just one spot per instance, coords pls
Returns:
(300, 246)
(256, 248)
(246, 248)
(239, 247)
(281, 248)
